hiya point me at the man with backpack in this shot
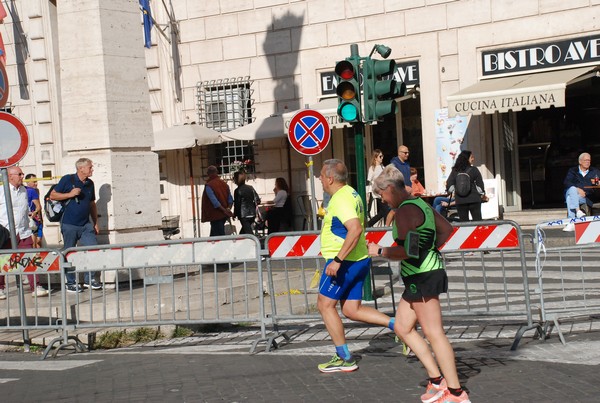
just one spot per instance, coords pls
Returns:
(78, 196)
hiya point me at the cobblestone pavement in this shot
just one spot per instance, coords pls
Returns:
(217, 367)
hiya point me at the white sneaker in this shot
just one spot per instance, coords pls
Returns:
(39, 292)
(580, 214)
(569, 227)
(25, 280)
(2, 294)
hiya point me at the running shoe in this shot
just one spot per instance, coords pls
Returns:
(405, 349)
(434, 392)
(448, 397)
(337, 364)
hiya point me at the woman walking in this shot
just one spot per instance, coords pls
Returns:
(466, 182)
(375, 169)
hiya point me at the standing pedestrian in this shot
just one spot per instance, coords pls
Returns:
(20, 207)
(375, 169)
(402, 164)
(216, 202)
(79, 223)
(466, 182)
(344, 247)
(245, 200)
(35, 208)
(424, 278)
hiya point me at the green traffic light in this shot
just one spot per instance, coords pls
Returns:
(348, 89)
(348, 112)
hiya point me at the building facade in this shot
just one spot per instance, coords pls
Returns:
(520, 75)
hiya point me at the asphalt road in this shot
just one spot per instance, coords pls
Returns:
(217, 367)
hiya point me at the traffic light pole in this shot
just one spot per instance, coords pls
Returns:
(359, 145)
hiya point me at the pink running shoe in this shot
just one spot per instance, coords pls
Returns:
(434, 392)
(450, 398)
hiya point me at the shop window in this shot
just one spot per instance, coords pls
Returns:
(223, 106)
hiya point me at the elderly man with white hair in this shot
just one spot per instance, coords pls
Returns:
(579, 195)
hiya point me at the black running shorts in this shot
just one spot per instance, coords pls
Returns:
(422, 285)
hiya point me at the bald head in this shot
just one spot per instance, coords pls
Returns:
(15, 176)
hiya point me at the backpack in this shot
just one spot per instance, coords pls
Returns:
(463, 184)
(54, 209)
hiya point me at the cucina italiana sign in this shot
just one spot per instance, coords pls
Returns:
(504, 103)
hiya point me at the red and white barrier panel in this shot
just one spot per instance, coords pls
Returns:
(587, 232)
(34, 262)
(310, 245)
(294, 246)
(382, 237)
(462, 238)
(482, 236)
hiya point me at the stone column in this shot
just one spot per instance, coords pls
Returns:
(105, 112)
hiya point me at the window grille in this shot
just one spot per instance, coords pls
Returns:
(225, 105)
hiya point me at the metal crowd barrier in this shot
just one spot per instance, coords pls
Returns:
(485, 263)
(487, 273)
(568, 280)
(22, 310)
(192, 281)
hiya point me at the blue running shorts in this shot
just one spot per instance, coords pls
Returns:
(348, 283)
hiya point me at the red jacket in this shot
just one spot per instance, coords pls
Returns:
(221, 190)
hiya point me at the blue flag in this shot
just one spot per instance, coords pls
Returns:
(145, 5)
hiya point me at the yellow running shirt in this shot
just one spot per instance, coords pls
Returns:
(344, 205)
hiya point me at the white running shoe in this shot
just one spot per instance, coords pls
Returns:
(569, 227)
(580, 214)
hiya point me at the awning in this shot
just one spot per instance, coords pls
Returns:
(531, 91)
(327, 107)
(278, 126)
(261, 129)
(184, 136)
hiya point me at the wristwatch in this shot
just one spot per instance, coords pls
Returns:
(337, 260)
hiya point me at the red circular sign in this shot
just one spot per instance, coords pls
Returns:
(309, 132)
(14, 140)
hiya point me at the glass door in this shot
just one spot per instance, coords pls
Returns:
(506, 157)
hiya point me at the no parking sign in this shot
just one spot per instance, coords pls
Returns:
(14, 140)
(309, 132)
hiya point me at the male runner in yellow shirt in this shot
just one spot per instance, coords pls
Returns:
(344, 247)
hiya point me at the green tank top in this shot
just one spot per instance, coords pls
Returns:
(429, 256)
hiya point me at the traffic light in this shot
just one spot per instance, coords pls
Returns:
(348, 90)
(380, 88)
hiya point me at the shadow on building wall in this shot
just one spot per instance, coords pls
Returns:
(21, 50)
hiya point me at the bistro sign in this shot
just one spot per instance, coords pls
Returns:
(541, 56)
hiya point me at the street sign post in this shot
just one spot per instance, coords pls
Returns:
(14, 142)
(309, 134)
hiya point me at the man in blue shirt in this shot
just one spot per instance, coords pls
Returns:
(578, 193)
(78, 193)
(401, 162)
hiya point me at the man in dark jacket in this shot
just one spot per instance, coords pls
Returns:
(216, 202)
(577, 196)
